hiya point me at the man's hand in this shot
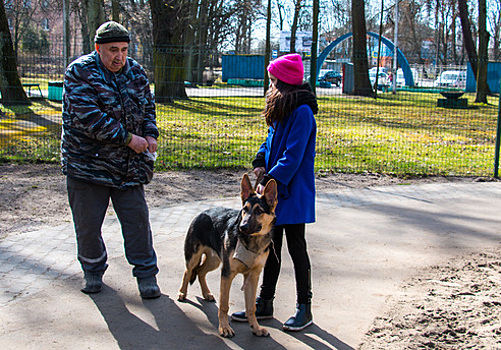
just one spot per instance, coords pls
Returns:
(138, 144)
(152, 144)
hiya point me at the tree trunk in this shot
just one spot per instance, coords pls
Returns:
(115, 10)
(468, 42)
(360, 62)
(95, 17)
(483, 42)
(294, 26)
(84, 28)
(170, 21)
(10, 84)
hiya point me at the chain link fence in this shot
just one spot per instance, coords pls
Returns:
(218, 123)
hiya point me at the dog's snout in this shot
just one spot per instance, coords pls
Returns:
(244, 226)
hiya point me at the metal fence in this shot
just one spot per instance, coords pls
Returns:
(219, 125)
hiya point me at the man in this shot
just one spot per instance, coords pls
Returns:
(109, 136)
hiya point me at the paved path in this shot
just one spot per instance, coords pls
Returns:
(366, 243)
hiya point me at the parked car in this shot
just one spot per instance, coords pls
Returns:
(380, 69)
(382, 80)
(331, 76)
(401, 78)
(451, 78)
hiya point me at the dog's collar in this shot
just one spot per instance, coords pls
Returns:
(246, 256)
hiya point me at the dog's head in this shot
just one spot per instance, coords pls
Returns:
(258, 210)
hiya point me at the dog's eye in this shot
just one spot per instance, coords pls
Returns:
(258, 211)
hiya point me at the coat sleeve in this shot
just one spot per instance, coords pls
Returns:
(86, 116)
(301, 130)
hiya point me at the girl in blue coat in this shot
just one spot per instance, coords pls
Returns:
(288, 156)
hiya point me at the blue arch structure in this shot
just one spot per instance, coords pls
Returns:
(402, 61)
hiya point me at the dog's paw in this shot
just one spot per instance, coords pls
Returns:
(226, 332)
(209, 297)
(181, 296)
(260, 331)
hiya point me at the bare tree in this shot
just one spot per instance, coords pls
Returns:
(10, 84)
(360, 62)
(483, 42)
(479, 72)
(468, 43)
(91, 14)
(170, 20)
(297, 10)
(21, 13)
(495, 24)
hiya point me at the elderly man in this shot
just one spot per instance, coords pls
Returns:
(108, 141)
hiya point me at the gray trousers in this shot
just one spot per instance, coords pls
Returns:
(89, 203)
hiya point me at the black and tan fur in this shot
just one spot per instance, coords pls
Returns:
(213, 237)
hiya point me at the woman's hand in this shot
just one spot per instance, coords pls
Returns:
(259, 172)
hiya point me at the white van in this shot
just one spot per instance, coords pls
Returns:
(401, 78)
(451, 78)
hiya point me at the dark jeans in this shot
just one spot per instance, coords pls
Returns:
(296, 244)
(89, 203)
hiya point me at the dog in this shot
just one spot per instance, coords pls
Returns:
(241, 241)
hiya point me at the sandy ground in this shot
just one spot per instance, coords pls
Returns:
(466, 292)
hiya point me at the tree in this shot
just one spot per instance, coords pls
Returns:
(21, 14)
(360, 62)
(495, 24)
(483, 42)
(468, 43)
(480, 72)
(10, 84)
(170, 21)
(297, 10)
(92, 15)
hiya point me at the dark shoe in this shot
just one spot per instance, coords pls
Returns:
(148, 287)
(301, 319)
(264, 311)
(93, 282)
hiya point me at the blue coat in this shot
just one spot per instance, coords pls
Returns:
(290, 154)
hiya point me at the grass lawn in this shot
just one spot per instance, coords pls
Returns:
(402, 134)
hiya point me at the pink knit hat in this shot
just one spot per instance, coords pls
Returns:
(288, 68)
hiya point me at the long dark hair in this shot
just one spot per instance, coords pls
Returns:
(282, 99)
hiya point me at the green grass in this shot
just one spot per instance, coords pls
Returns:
(402, 134)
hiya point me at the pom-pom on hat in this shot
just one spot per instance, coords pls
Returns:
(111, 32)
(288, 68)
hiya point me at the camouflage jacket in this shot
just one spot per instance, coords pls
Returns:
(100, 111)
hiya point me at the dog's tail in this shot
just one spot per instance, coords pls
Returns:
(194, 272)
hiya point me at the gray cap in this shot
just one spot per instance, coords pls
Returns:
(111, 32)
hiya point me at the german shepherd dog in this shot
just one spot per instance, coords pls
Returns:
(241, 241)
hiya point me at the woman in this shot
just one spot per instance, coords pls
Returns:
(288, 156)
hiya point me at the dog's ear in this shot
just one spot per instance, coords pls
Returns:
(270, 193)
(246, 187)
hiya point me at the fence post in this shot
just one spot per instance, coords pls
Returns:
(498, 135)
